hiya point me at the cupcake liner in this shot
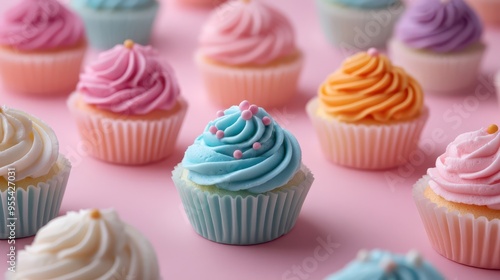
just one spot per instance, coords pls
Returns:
(487, 10)
(378, 146)
(270, 86)
(439, 73)
(36, 206)
(38, 73)
(107, 28)
(460, 238)
(202, 3)
(123, 141)
(241, 220)
(351, 28)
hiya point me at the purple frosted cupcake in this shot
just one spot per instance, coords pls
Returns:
(439, 43)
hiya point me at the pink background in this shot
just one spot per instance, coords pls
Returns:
(351, 209)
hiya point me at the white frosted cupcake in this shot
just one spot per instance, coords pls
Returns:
(90, 244)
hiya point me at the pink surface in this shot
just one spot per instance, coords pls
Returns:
(346, 208)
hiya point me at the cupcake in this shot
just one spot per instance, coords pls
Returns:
(358, 24)
(42, 46)
(369, 114)
(111, 22)
(242, 181)
(33, 175)
(459, 200)
(247, 51)
(487, 10)
(384, 265)
(128, 107)
(89, 244)
(200, 3)
(439, 43)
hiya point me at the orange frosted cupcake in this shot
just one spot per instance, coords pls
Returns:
(368, 114)
(42, 46)
(128, 106)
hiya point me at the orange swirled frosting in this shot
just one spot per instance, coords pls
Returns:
(367, 87)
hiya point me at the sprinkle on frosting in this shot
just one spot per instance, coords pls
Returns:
(95, 214)
(129, 44)
(388, 265)
(492, 129)
(363, 255)
(220, 113)
(414, 258)
(373, 52)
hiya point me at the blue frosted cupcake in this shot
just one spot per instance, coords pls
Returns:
(383, 265)
(359, 24)
(242, 181)
(110, 22)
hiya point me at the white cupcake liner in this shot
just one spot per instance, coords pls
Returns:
(439, 73)
(460, 238)
(36, 206)
(351, 28)
(41, 73)
(238, 220)
(378, 146)
(131, 142)
(266, 86)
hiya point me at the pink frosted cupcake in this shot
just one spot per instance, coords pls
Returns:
(368, 114)
(459, 200)
(439, 43)
(487, 10)
(128, 107)
(42, 45)
(247, 51)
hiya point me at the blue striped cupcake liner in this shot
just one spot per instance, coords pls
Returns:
(242, 220)
(35, 206)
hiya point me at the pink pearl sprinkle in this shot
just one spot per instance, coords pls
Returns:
(266, 120)
(237, 154)
(373, 52)
(246, 115)
(254, 109)
(220, 113)
(256, 146)
(219, 134)
(244, 105)
(213, 129)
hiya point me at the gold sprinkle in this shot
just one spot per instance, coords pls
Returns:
(492, 129)
(95, 214)
(246, 1)
(129, 44)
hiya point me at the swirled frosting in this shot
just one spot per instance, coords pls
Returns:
(243, 149)
(440, 26)
(117, 4)
(89, 244)
(368, 87)
(365, 4)
(469, 171)
(26, 144)
(40, 25)
(129, 79)
(247, 32)
(384, 265)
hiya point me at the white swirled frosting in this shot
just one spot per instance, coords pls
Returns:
(90, 244)
(26, 144)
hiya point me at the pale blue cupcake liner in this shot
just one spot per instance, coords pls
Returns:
(106, 28)
(242, 220)
(357, 29)
(36, 206)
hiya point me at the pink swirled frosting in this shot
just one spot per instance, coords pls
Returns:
(40, 25)
(247, 32)
(129, 80)
(469, 171)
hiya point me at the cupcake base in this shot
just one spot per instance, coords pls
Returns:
(363, 146)
(35, 206)
(242, 220)
(270, 86)
(437, 72)
(461, 238)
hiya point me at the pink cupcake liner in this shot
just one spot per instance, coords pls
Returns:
(268, 87)
(439, 73)
(41, 74)
(460, 238)
(201, 3)
(378, 146)
(487, 10)
(131, 142)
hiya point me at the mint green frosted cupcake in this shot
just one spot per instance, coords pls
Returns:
(110, 22)
(359, 24)
(242, 181)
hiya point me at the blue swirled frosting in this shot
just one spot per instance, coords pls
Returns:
(117, 4)
(258, 168)
(365, 4)
(383, 265)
